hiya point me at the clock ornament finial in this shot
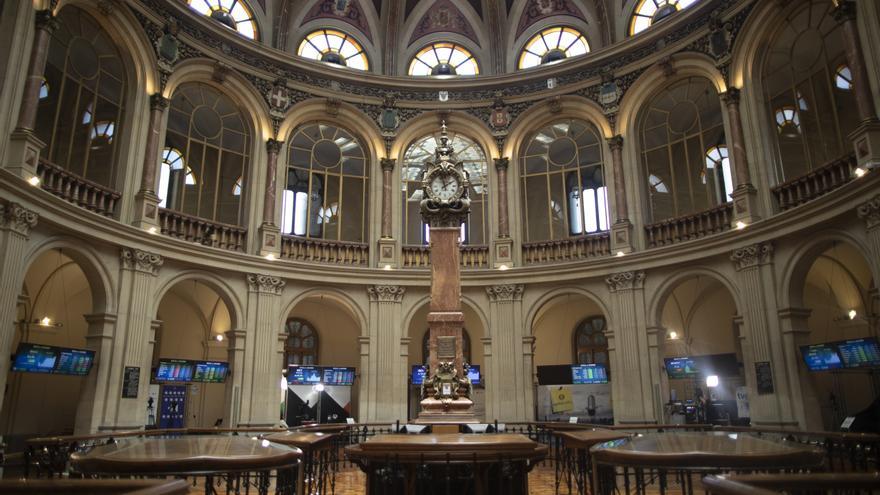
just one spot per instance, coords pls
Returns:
(445, 150)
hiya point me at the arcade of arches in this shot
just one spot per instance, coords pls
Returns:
(182, 183)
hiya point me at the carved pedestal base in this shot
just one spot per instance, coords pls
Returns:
(745, 205)
(270, 240)
(24, 153)
(621, 237)
(147, 205)
(866, 140)
(447, 411)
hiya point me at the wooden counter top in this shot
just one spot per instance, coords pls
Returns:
(449, 447)
(584, 439)
(303, 440)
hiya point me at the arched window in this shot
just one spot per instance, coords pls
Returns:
(301, 346)
(421, 151)
(563, 186)
(465, 346)
(680, 128)
(444, 59)
(552, 45)
(234, 14)
(590, 344)
(327, 185)
(647, 12)
(81, 98)
(334, 47)
(718, 168)
(808, 92)
(207, 147)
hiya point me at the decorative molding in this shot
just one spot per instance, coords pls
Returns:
(386, 293)
(625, 281)
(870, 212)
(615, 142)
(265, 284)
(731, 96)
(505, 292)
(17, 218)
(502, 163)
(752, 256)
(273, 146)
(388, 164)
(141, 261)
(158, 102)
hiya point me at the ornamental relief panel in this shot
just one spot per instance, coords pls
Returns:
(141, 261)
(386, 293)
(266, 284)
(751, 256)
(17, 218)
(625, 281)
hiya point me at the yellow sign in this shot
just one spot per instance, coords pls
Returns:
(560, 400)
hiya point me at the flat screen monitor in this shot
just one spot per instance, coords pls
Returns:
(418, 374)
(821, 357)
(339, 376)
(681, 367)
(582, 374)
(74, 362)
(36, 358)
(175, 370)
(473, 374)
(303, 375)
(859, 353)
(211, 371)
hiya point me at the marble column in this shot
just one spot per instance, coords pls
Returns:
(16, 223)
(632, 385)
(24, 146)
(509, 383)
(270, 234)
(147, 200)
(502, 245)
(744, 193)
(262, 366)
(387, 246)
(386, 383)
(621, 229)
(99, 338)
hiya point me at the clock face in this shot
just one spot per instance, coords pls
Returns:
(444, 188)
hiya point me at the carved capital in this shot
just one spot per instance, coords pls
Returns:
(388, 164)
(266, 284)
(505, 292)
(870, 212)
(752, 256)
(273, 146)
(141, 261)
(17, 218)
(386, 293)
(46, 21)
(615, 143)
(502, 163)
(158, 102)
(625, 281)
(731, 97)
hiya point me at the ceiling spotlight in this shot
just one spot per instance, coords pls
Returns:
(264, 443)
(34, 181)
(741, 225)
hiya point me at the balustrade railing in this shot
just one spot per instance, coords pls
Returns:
(689, 227)
(202, 231)
(815, 183)
(324, 251)
(77, 190)
(571, 249)
(470, 256)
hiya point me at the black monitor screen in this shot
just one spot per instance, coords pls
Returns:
(681, 367)
(175, 370)
(211, 371)
(859, 353)
(821, 357)
(418, 374)
(339, 376)
(588, 374)
(473, 374)
(35, 358)
(303, 375)
(75, 362)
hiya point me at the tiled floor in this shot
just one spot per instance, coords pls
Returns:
(350, 481)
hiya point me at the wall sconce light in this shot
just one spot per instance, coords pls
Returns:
(852, 314)
(672, 335)
(859, 172)
(219, 337)
(712, 381)
(34, 181)
(45, 322)
(741, 225)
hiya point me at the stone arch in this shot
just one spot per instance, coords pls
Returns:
(540, 114)
(429, 123)
(374, 53)
(466, 300)
(218, 284)
(589, 27)
(664, 290)
(355, 311)
(535, 308)
(481, 55)
(472, 18)
(349, 118)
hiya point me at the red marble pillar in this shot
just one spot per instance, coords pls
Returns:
(445, 318)
(27, 113)
(621, 206)
(158, 104)
(501, 165)
(845, 13)
(387, 195)
(273, 147)
(737, 141)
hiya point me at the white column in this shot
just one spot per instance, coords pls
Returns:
(795, 333)
(508, 382)
(236, 345)
(386, 382)
(16, 223)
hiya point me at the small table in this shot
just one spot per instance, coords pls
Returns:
(319, 459)
(240, 461)
(674, 457)
(447, 463)
(575, 461)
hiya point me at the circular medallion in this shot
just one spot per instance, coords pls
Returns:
(561, 151)
(207, 121)
(682, 117)
(327, 153)
(83, 58)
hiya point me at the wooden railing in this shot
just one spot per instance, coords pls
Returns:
(572, 249)
(815, 183)
(323, 251)
(74, 189)
(689, 227)
(206, 232)
(471, 256)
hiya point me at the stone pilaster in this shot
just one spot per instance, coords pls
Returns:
(509, 390)
(627, 346)
(796, 333)
(146, 200)
(99, 338)
(270, 234)
(385, 382)
(387, 245)
(870, 213)
(745, 207)
(364, 373)
(236, 344)
(16, 223)
(621, 229)
(262, 366)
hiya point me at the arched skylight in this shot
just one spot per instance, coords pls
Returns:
(443, 59)
(234, 14)
(552, 45)
(335, 47)
(647, 12)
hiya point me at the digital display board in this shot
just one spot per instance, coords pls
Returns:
(211, 371)
(339, 376)
(175, 370)
(588, 374)
(35, 358)
(418, 374)
(859, 353)
(473, 374)
(681, 367)
(303, 375)
(821, 357)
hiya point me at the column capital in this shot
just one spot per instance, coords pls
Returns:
(158, 102)
(388, 164)
(870, 212)
(751, 256)
(17, 218)
(141, 261)
(502, 163)
(615, 142)
(265, 284)
(731, 96)
(274, 145)
(845, 10)
(625, 281)
(505, 292)
(386, 293)
(46, 20)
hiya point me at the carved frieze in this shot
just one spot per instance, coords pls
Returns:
(17, 218)
(386, 293)
(141, 261)
(870, 212)
(266, 284)
(625, 281)
(505, 292)
(752, 256)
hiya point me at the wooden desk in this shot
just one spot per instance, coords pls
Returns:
(319, 459)
(447, 463)
(94, 487)
(574, 460)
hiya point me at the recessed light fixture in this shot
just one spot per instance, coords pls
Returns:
(34, 181)
(741, 225)
(46, 321)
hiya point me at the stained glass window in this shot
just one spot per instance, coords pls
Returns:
(335, 47)
(444, 59)
(552, 45)
(234, 14)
